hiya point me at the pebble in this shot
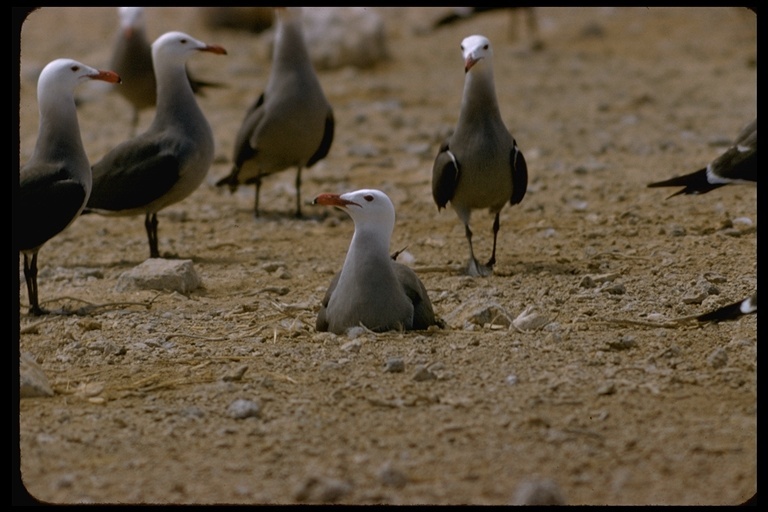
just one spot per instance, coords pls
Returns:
(241, 409)
(322, 490)
(394, 365)
(718, 358)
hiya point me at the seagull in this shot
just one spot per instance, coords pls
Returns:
(480, 165)
(132, 60)
(55, 183)
(372, 289)
(169, 161)
(731, 311)
(291, 124)
(738, 164)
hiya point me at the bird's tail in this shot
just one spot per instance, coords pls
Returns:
(693, 183)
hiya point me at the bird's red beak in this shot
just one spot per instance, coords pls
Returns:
(214, 48)
(333, 200)
(469, 63)
(107, 76)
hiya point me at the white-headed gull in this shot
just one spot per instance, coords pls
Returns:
(480, 165)
(372, 290)
(55, 183)
(168, 162)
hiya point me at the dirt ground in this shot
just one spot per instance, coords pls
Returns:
(608, 401)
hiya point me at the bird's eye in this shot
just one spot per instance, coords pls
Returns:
(462, 47)
(75, 68)
(368, 197)
(485, 47)
(183, 41)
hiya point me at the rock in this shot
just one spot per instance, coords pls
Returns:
(530, 320)
(32, 379)
(344, 36)
(241, 409)
(161, 274)
(538, 492)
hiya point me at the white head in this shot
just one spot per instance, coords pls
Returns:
(176, 47)
(131, 18)
(61, 76)
(474, 49)
(367, 207)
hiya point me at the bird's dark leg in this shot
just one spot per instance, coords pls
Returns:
(150, 223)
(30, 276)
(492, 261)
(298, 193)
(475, 269)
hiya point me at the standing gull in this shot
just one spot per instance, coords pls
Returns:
(291, 124)
(169, 161)
(738, 164)
(480, 165)
(55, 183)
(132, 59)
(372, 289)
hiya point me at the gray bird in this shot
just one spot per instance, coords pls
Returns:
(291, 124)
(55, 183)
(372, 289)
(738, 164)
(170, 160)
(132, 60)
(480, 165)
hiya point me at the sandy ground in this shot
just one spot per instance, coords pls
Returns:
(609, 402)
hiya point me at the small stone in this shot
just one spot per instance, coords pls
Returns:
(538, 492)
(423, 373)
(394, 365)
(241, 409)
(718, 358)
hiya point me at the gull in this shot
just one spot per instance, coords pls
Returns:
(291, 124)
(480, 165)
(371, 289)
(55, 183)
(132, 60)
(169, 161)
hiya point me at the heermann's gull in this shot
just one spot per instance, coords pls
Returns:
(55, 183)
(480, 165)
(132, 59)
(291, 124)
(731, 311)
(169, 161)
(372, 289)
(738, 164)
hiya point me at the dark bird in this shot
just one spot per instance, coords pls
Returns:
(170, 160)
(55, 183)
(372, 289)
(738, 164)
(291, 124)
(480, 165)
(731, 311)
(132, 60)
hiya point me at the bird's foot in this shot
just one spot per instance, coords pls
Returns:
(476, 269)
(37, 311)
